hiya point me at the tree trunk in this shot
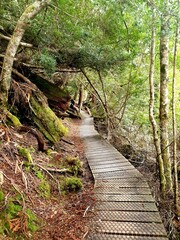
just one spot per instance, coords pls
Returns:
(30, 12)
(164, 101)
(106, 108)
(151, 111)
(176, 191)
(80, 101)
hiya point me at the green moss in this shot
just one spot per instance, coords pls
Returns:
(13, 119)
(48, 123)
(11, 211)
(44, 189)
(72, 184)
(39, 175)
(1, 196)
(74, 165)
(25, 153)
(32, 221)
(14, 211)
(49, 152)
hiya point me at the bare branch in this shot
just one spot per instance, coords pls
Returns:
(29, 45)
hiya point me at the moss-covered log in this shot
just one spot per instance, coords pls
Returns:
(46, 120)
(30, 101)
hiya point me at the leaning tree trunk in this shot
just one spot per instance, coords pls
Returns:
(164, 101)
(30, 12)
(151, 111)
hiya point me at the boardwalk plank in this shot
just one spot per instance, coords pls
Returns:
(126, 206)
(97, 236)
(131, 228)
(128, 216)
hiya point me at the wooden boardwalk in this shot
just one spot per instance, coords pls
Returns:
(125, 208)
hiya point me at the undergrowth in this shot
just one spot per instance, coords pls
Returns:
(71, 184)
(17, 221)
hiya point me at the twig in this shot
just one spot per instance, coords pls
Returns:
(86, 233)
(86, 211)
(66, 141)
(16, 188)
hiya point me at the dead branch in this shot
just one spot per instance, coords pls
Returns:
(69, 70)
(21, 43)
(66, 141)
(46, 169)
(41, 143)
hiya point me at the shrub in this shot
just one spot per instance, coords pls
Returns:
(72, 184)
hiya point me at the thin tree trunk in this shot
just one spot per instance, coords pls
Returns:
(164, 101)
(151, 111)
(126, 98)
(80, 102)
(30, 12)
(95, 90)
(176, 191)
(106, 107)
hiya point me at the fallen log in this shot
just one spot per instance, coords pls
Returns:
(33, 104)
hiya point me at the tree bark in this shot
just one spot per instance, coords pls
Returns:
(105, 107)
(30, 12)
(164, 100)
(80, 101)
(176, 190)
(151, 110)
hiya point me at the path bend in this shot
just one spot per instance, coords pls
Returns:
(125, 208)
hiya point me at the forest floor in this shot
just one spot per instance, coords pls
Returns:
(61, 216)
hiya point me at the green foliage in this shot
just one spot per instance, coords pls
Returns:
(39, 174)
(48, 62)
(71, 184)
(13, 212)
(25, 153)
(44, 189)
(1, 196)
(73, 164)
(33, 221)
